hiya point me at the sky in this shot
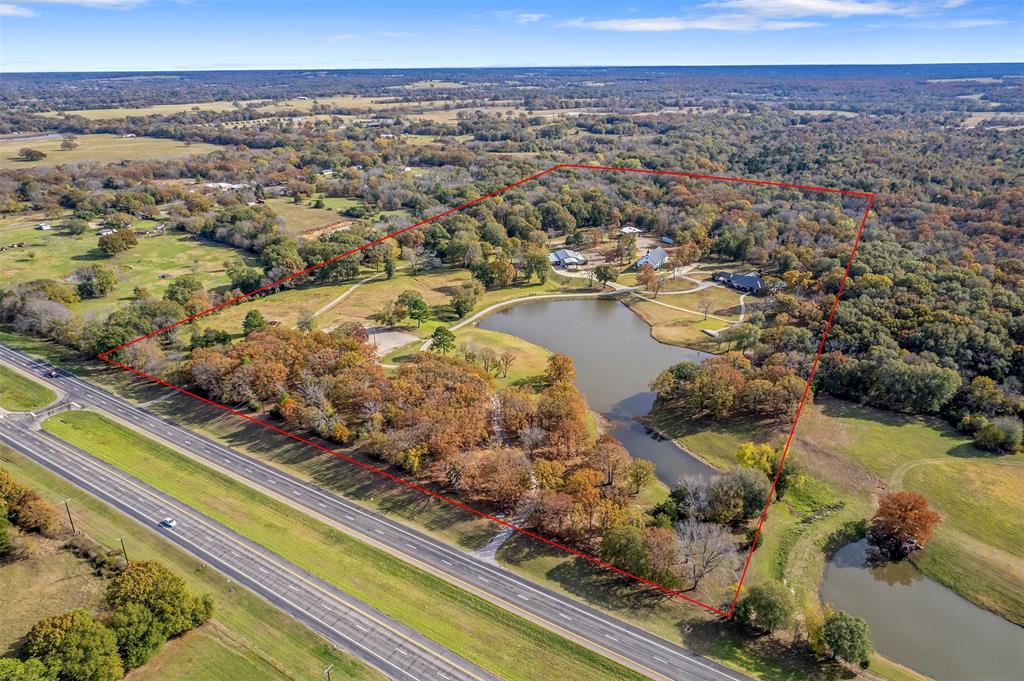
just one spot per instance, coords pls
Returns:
(154, 35)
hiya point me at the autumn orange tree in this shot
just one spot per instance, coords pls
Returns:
(902, 519)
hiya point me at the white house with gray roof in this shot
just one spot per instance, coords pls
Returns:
(655, 258)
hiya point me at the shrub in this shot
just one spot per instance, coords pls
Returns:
(848, 637)
(769, 606)
(75, 647)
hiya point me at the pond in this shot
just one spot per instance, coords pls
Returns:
(616, 358)
(922, 624)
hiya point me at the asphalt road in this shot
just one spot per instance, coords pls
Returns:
(614, 638)
(394, 649)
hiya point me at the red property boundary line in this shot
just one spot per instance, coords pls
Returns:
(597, 561)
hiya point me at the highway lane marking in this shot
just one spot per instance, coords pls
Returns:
(659, 659)
(565, 616)
(362, 628)
(402, 651)
(370, 651)
(184, 509)
(600, 620)
(447, 562)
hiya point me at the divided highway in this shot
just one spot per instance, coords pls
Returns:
(618, 640)
(394, 649)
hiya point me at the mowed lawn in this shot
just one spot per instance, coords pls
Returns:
(18, 393)
(678, 318)
(100, 148)
(503, 643)
(247, 638)
(56, 255)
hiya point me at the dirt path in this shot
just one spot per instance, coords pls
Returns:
(684, 309)
(347, 292)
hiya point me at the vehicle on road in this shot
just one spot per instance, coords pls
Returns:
(52, 373)
(169, 522)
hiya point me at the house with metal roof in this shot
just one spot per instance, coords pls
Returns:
(655, 258)
(567, 258)
(747, 283)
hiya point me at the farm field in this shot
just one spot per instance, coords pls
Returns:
(300, 218)
(99, 148)
(246, 636)
(466, 624)
(261, 104)
(17, 393)
(56, 255)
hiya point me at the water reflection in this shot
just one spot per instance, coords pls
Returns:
(921, 623)
(615, 359)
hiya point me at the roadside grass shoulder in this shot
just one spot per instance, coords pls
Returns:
(271, 644)
(458, 620)
(18, 393)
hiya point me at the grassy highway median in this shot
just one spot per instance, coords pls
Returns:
(503, 643)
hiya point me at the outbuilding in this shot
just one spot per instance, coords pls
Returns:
(655, 258)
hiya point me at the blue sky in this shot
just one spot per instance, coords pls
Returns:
(104, 35)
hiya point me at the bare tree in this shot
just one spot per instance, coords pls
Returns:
(488, 359)
(505, 360)
(704, 548)
(532, 437)
(705, 306)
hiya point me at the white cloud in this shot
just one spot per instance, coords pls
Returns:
(529, 17)
(102, 4)
(974, 23)
(341, 37)
(15, 11)
(719, 22)
(812, 8)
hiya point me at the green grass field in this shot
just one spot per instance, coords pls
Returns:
(466, 624)
(300, 218)
(248, 638)
(56, 255)
(18, 393)
(854, 453)
(100, 148)
(684, 328)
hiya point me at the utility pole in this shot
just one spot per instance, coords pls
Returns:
(70, 519)
(328, 671)
(124, 550)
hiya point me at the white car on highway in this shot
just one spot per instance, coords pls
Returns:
(169, 522)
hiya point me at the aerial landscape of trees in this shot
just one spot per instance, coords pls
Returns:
(928, 325)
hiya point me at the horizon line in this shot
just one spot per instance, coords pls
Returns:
(511, 67)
